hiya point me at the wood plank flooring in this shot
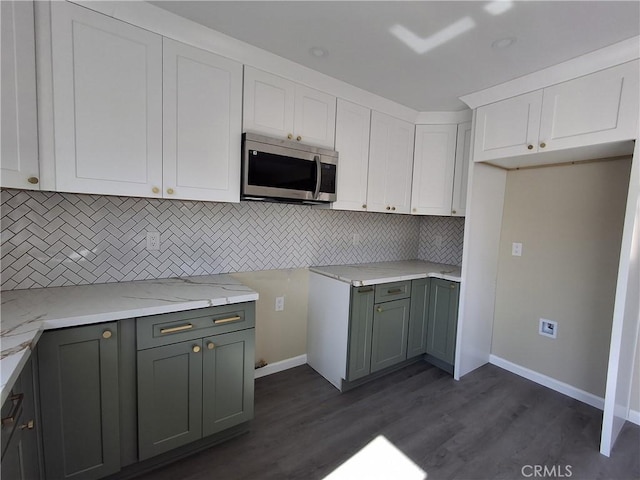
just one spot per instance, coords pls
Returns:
(489, 425)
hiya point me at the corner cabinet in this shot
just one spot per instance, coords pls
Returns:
(195, 375)
(442, 323)
(19, 144)
(594, 109)
(79, 399)
(390, 164)
(137, 114)
(281, 108)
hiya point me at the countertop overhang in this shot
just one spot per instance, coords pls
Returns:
(26, 313)
(364, 274)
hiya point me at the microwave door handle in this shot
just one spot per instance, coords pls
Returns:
(318, 176)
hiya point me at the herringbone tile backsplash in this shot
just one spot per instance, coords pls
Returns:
(55, 239)
(451, 233)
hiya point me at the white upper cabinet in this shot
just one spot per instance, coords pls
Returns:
(19, 143)
(202, 124)
(592, 110)
(353, 123)
(433, 169)
(281, 108)
(107, 92)
(597, 108)
(390, 164)
(508, 128)
(461, 175)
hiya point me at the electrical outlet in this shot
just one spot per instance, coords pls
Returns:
(355, 239)
(279, 304)
(153, 241)
(516, 249)
(548, 328)
(437, 241)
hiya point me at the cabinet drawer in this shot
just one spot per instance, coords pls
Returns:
(176, 327)
(386, 292)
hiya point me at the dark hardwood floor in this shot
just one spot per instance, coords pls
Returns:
(489, 425)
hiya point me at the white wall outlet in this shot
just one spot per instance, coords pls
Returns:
(279, 304)
(153, 241)
(355, 239)
(437, 241)
(548, 328)
(516, 249)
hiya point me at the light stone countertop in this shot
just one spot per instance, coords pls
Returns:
(26, 313)
(361, 275)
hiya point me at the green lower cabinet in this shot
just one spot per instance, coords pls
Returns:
(442, 320)
(169, 397)
(418, 315)
(390, 331)
(227, 380)
(360, 329)
(79, 398)
(20, 456)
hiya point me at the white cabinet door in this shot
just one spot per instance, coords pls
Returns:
(268, 103)
(461, 175)
(283, 109)
(202, 108)
(314, 120)
(597, 108)
(390, 164)
(19, 150)
(353, 123)
(508, 128)
(107, 91)
(433, 167)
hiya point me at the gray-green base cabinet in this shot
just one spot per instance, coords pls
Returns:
(442, 321)
(79, 398)
(20, 446)
(195, 375)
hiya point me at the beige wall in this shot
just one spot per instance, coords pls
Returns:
(279, 335)
(569, 220)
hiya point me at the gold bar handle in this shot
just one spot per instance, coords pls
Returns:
(227, 320)
(366, 290)
(394, 291)
(181, 328)
(17, 403)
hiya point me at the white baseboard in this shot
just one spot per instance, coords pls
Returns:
(549, 382)
(281, 366)
(634, 416)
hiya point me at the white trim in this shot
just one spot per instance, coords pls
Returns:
(616, 54)
(634, 416)
(439, 118)
(281, 366)
(552, 383)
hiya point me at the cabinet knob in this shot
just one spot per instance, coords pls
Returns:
(290, 136)
(196, 348)
(33, 180)
(388, 207)
(155, 190)
(452, 286)
(27, 426)
(414, 210)
(170, 191)
(393, 208)
(211, 345)
(379, 309)
(542, 145)
(107, 334)
(530, 147)
(453, 212)
(298, 138)
(364, 205)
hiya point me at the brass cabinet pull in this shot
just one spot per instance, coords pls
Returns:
(181, 328)
(211, 345)
(393, 291)
(196, 348)
(453, 285)
(388, 207)
(226, 320)
(370, 289)
(393, 208)
(33, 180)
(453, 211)
(364, 205)
(298, 138)
(530, 147)
(155, 190)
(542, 145)
(106, 334)
(290, 136)
(379, 309)
(170, 191)
(27, 426)
(17, 404)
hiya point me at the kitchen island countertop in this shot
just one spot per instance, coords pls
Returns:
(26, 313)
(360, 275)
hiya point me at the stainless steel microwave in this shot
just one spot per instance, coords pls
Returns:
(283, 170)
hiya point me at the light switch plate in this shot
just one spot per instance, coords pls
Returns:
(516, 249)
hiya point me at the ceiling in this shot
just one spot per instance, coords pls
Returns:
(440, 50)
